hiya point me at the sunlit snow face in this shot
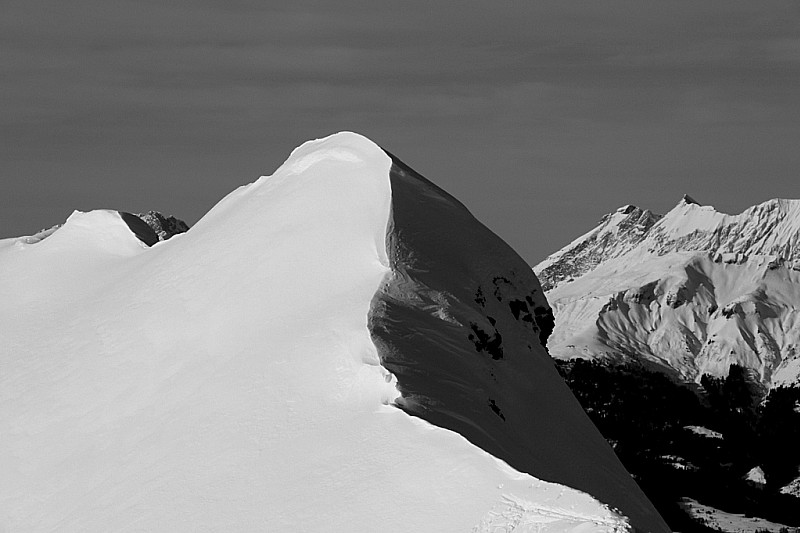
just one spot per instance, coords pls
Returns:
(226, 379)
(696, 291)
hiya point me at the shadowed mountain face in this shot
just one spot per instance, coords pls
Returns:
(152, 227)
(461, 320)
(140, 228)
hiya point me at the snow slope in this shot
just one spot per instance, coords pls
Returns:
(693, 291)
(227, 380)
(731, 522)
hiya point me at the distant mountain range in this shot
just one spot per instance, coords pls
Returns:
(704, 298)
(691, 292)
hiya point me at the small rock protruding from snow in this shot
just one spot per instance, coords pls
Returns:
(140, 228)
(165, 227)
(689, 200)
(756, 477)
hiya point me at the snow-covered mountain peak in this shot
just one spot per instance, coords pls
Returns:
(768, 229)
(695, 292)
(246, 376)
(616, 234)
(345, 146)
(103, 230)
(103, 226)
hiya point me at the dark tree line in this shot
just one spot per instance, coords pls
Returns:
(778, 430)
(645, 414)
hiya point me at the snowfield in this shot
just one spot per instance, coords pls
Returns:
(731, 522)
(226, 379)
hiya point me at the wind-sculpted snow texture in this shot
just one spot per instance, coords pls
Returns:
(461, 321)
(693, 292)
(226, 380)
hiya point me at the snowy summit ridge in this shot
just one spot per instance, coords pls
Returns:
(265, 382)
(693, 291)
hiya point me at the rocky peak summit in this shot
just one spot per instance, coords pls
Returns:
(165, 227)
(689, 200)
(616, 234)
(771, 228)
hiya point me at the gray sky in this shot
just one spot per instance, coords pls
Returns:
(540, 116)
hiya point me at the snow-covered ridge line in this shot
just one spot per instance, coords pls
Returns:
(149, 228)
(231, 383)
(770, 228)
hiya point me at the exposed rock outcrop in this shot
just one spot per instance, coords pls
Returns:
(165, 227)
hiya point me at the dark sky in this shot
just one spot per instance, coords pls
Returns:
(540, 116)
